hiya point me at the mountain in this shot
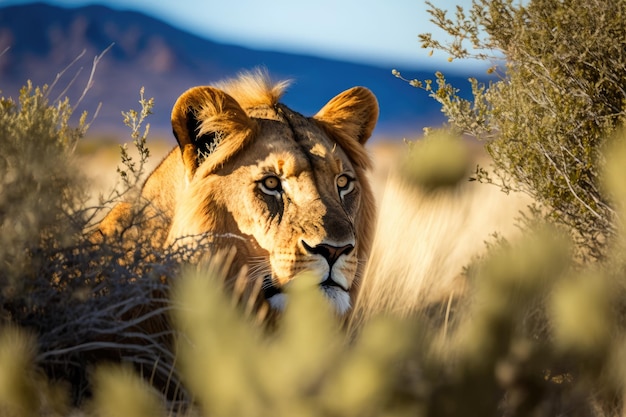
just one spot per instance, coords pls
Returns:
(44, 39)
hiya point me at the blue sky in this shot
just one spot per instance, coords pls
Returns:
(381, 32)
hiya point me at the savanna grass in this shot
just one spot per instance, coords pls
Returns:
(115, 330)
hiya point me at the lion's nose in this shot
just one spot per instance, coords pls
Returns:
(329, 252)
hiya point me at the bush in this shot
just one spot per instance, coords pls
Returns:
(41, 189)
(559, 99)
(83, 301)
(536, 336)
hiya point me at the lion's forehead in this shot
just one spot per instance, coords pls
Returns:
(290, 153)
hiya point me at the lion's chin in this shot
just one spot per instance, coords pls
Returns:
(339, 299)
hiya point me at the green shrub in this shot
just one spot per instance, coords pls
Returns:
(83, 301)
(537, 335)
(560, 97)
(41, 190)
(440, 160)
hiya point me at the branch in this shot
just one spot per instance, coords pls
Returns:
(96, 60)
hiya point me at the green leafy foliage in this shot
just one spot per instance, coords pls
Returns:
(41, 192)
(440, 160)
(559, 99)
(81, 299)
(537, 334)
(130, 172)
(306, 367)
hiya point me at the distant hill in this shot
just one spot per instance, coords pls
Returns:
(44, 39)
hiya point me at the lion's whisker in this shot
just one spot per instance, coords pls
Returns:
(198, 204)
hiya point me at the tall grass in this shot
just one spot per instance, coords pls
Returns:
(425, 239)
(519, 329)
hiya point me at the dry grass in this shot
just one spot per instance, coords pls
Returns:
(100, 157)
(424, 239)
(84, 304)
(121, 311)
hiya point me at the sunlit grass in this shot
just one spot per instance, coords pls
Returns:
(518, 326)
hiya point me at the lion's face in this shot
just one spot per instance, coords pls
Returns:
(296, 204)
(290, 198)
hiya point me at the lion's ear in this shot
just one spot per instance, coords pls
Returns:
(209, 125)
(353, 113)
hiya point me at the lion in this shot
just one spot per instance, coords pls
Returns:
(289, 193)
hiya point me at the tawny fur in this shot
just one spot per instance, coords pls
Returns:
(234, 135)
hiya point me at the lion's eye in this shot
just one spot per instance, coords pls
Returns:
(345, 184)
(270, 185)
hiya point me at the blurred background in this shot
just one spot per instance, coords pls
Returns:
(168, 46)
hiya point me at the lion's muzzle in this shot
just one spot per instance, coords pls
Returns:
(331, 254)
(333, 283)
